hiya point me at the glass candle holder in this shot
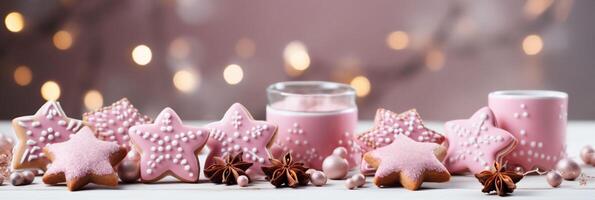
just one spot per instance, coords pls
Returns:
(314, 118)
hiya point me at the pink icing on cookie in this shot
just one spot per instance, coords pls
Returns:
(408, 157)
(238, 131)
(476, 143)
(49, 125)
(82, 155)
(111, 123)
(168, 146)
(387, 125)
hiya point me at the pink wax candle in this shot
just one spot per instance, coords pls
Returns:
(314, 118)
(537, 119)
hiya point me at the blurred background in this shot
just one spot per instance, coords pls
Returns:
(200, 56)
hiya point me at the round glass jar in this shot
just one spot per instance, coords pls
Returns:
(314, 118)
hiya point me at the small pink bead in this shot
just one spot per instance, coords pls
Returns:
(243, 181)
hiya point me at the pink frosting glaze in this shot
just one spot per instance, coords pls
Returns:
(311, 131)
(538, 120)
(239, 132)
(408, 157)
(82, 155)
(111, 123)
(168, 146)
(475, 143)
(49, 125)
(388, 125)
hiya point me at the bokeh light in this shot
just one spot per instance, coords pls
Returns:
(180, 48)
(435, 60)
(62, 40)
(23, 75)
(142, 55)
(362, 86)
(397, 40)
(534, 8)
(93, 100)
(233, 74)
(532, 44)
(296, 56)
(245, 47)
(14, 22)
(50, 91)
(185, 80)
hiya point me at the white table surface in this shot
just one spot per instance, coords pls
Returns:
(579, 134)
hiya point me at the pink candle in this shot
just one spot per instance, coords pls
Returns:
(314, 118)
(538, 121)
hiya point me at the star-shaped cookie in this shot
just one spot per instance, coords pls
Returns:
(239, 132)
(476, 143)
(387, 125)
(167, 147)
(49, 125)
(408, 163)
(83, 159)
(111, 123)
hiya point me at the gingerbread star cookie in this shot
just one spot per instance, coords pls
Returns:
(408, 163)
(111, 123)
(168, 147)
(476, 143)
(83, 159)
(239, 132)
(49, 125)
(387, 125)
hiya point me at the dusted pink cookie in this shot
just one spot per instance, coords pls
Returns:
(387, 125)
(111, 123)
(239, 132)
(408, 163)
(476, 143)
(83, 159)
(167, 146)
(48, 125)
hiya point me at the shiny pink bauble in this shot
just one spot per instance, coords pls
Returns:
(341, 152)
(243, 181)
(350, 184)
(586, 154)
(29, 176)
(553, 178)
(335, 167)
(318, 178)
(569, 169)
(359, 179)
(133, 155)
(592, 159)
(129, 170)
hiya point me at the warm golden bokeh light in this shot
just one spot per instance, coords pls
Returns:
(233, 74)
(93, 100)
(532, 44)
(534, 8)
(14, 22)
(50, 91)
(62, 40)
(362, 86)
(296, 56)
(245, 47)
(435, 60)
(23, 75)
(180, 48)
(142, 55)
(397, 40)
(185, 81)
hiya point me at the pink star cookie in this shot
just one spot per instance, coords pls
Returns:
(387, 125)
(111, 123)
(168, 147)
(476, 143)
(239, 132)
(48, 125)
(83, 159)
(408, 163)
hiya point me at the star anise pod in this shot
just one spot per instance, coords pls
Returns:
(499, 180)
(227, 170)
(286, 172)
